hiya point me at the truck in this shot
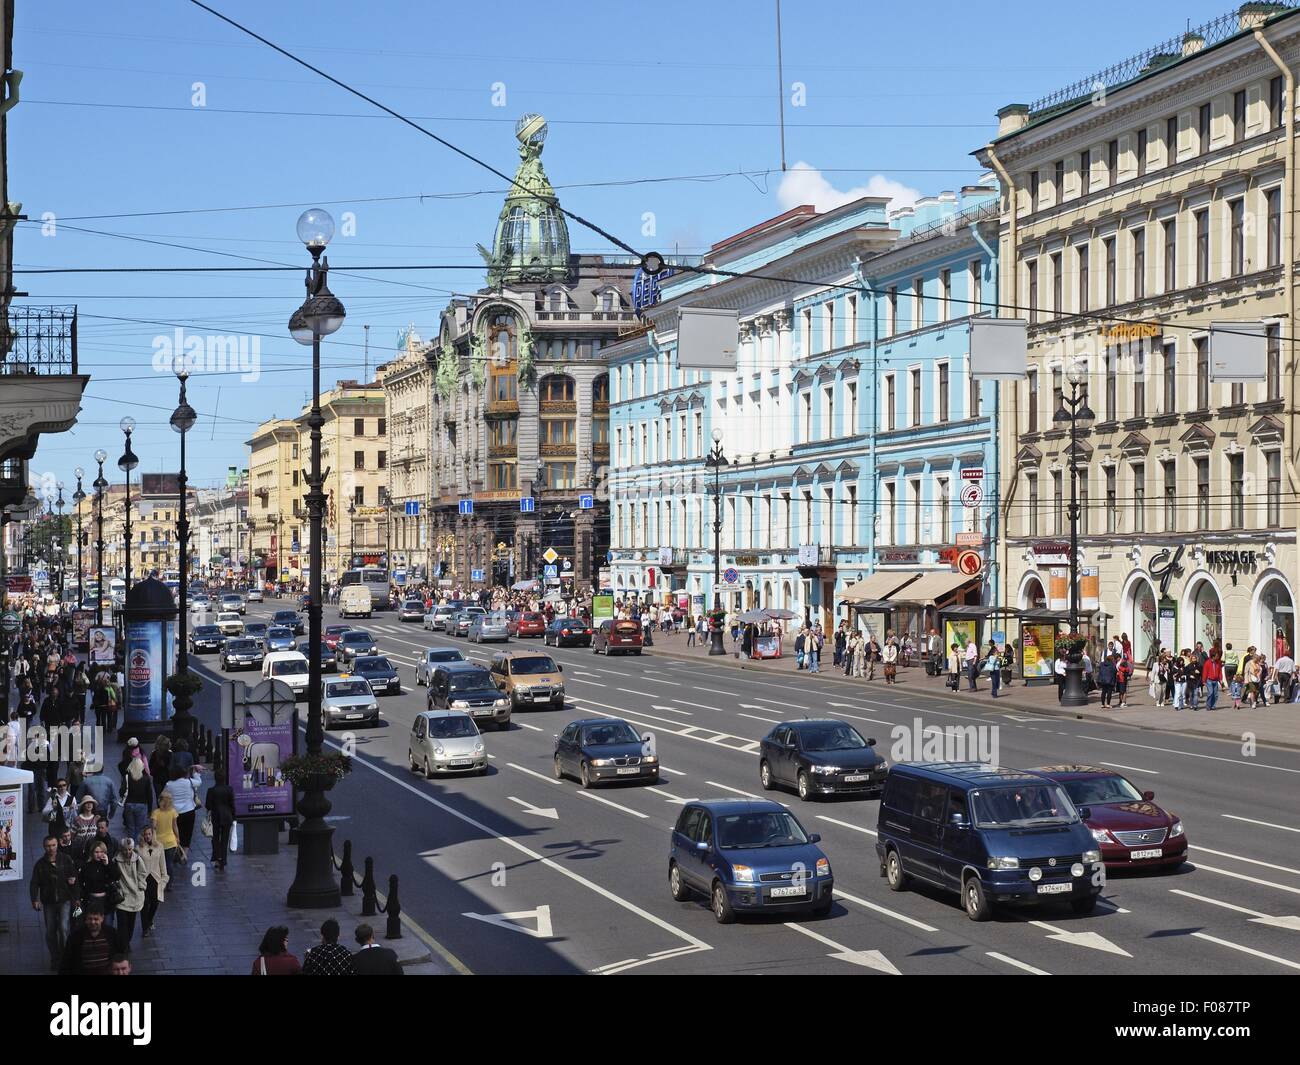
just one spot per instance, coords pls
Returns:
(355, 602)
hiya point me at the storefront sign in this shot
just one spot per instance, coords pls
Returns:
(1231, 559)
(148, 659)
(896, 557)
(1051, 553)
(752, 560)
(1165, 567)
(1124, 332)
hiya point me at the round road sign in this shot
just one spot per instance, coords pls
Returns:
(972, 494)
(10, 623)
(969, 563)
(731, 575)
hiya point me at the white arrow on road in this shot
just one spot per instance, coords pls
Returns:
(1293, 923)
(868, 959)
(1082, 939)
(529, 808)
(542, 915)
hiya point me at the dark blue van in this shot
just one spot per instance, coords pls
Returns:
(994, 835)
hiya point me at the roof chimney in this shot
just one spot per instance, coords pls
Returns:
(1012, 118)
(1253, 15)
(1192, 43)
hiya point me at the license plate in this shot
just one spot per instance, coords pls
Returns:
(462, 761)
(787, 892)
(857, 778)
(538, 698)
(480, 713)
(351, 717)
(1055, 889)
(628, 772)
(1155, 852)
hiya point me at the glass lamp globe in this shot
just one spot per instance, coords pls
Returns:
(127, 424)
(79, 472)
(315, 227)
(101, 455)
(717, 436)
(1077, 374)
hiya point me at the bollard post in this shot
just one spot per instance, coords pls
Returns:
(369, 900)
(394, 911)
(345, 869)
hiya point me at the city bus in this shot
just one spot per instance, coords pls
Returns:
(372, 577)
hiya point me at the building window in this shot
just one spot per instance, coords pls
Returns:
(1032, 267)
(1237, 395)
(945, 293)
(1033, 189)
(1057, 390)
(976, 287)
(1202, 493)
(1273, 199)
(1058, 504)
(1202, 246)
(916, 397)
(1239, 115)
(383, 427)
(891, 512)
(807, 417)
(1112, 501)
(1237, 246)
(918, 303)
(1033, 401)
(806, 319)
(974, 399)
(914, 488)
(1057, 282)
(945, 511)
(1171, 140)
(1085, 171)
(828, 321)
(1112, 161)
(1170, 380)
(1273, 381)
(1139, 264)
(1139, 497)
(943, 392)
(559, 431)
(1170, 229)
(1081, 477)
(1058, 179)
(1139, 383)
(1083, 279)
(501, 476)
(828, 406)
(1274, 461)
(557, 388)
(1142, 152)
(1112, 272)
(600, 389)
(383, 460)
(891, 403)
(1236, 490)
(1032, 524)
(1111, 366)
(1202, 345)
(561, 475)
(851, 322)
(1171, 495)
(501, 433)
(358, 427)
(1203, 128)
(852, 426)
(891, 310)
(358, 460)
(358, 495)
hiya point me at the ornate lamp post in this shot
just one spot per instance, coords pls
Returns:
(62, 545)
(79, 497)
(319, 316)
(1074, 409)
(352, 534)
(126, 464)
(182, 421)
(715, 460)
(100, 485)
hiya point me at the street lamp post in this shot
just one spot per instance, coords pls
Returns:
(352, 534)
(100, 484)
(126, 464)
(79, 497)
(63, 545)
(182, 421)
(1074, 409)
(715, 460)
(320, 315)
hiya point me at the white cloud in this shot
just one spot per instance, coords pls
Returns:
(804, 183)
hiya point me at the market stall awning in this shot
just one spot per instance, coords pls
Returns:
(873, 606)
(880, 585)
(933, 587)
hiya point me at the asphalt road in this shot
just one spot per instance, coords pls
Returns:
(516, 872)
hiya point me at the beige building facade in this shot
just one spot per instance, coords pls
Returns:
(408, 384)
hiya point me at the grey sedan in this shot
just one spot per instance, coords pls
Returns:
(489, 627)
(411, 610)
(430, 660)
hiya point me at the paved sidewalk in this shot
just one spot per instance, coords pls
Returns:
(211, 922)
(1277, 725)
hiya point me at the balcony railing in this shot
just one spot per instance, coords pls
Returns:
(39, 340)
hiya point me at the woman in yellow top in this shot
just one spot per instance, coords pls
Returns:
(164, 818)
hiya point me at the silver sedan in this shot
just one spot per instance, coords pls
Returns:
(489, 627)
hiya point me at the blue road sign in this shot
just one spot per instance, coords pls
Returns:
(527, 504)
(586, 502)
(413, 508)
(476, 574)
(731, 575)
(550, 571)
(467, 506)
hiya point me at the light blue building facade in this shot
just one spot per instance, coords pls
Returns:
(848, 415)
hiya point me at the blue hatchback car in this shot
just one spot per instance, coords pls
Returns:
(748, 856)
(993, 835)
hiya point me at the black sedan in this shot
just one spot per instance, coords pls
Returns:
(600, 749)
(381, 673)
(205, 638)
(821, 757)
(354, 643)
(239, 653)
(328, 662)
(567, 632)
(290, 619)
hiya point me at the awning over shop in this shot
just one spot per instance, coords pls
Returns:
(932, 587)
(1044, 615)
(880, 585)
(872, 606)
(969, 611)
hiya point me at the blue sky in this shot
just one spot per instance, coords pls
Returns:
(895, 100)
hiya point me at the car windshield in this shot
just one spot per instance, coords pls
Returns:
(373, 665)
(1097, 791)
(346, 687)
(471, 611)
(281, 669)
(836, 737)
(754, 829)
(229, 615)
(447, 728)
(336, 630)
(241, 645)
(495, 619)
(1032, 804)
(606, 734)
(532, 664)
(255, 626)
(413, 604)
(530, 616)
(357, 637)
(625, 627)
(207, 630)
(281, 633)
(444, 656)
(470, 680)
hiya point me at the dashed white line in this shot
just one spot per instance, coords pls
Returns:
(845, 824)
(1248, 861)
(1246, 950)
(726, 787)
(1266, 824)
(1131, 768)
(1016, 964)
(1250, 879)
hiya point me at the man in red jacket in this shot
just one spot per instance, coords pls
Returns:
(1212, 678)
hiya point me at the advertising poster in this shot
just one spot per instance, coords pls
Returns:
(11, 833)
(960, 633)
(602, 607)
(148, 660)
(1058, 594)
(1089, 588)
(1038, 648)
(767, 647)
(1167, 625)
(873, 624)
(103, 645)
(258, 747)
(82, 620)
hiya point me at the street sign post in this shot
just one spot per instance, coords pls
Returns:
(412, 508)
(550, 554)
(467, 507)
(527, 504)
(476, 575)
(972, 494)
(731, 575)
(973, 473)
(550, 572)
(970, 563)
(10, 623)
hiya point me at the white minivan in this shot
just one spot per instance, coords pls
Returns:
(355, 602)
(290, 667)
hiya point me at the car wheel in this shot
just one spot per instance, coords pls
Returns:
(805, 787)
(765, 775)
(977, 906)
(722, 911)
(428, 769)
(822, 909)
(503, 726)
(676, 885)
(585, 776)
(556, 768)
(410, 761)
(1086, 905)
(894, 872)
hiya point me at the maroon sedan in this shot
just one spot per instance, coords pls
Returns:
(617, 635)
(1133, 832)
(531, 623)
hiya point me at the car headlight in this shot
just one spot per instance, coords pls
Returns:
(823, 867)
(1092, 856)
(478, 747)
(825, 769)
(459, 704)
(439, 750)
(502, 702)
(1004, 863)
(1035, 874)
(743, 874)
(1177, 830)
(372, 706)
(602, 761)
(650, 759)
(1101, 835)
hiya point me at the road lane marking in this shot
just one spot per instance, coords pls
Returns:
(737, 791)
(1266, 824)
(594, 683)
(1017, 964)
(886, 911)
(1257, 917)
(701, 706)
(1246, 950)
(765, 720)
(1189, 754)
(523, 724)
(1250, 879)
(671, 709)
(1081, 939)
(1131, 768)
(845, 824)
(869, 959)
(654, 722)
(1248, 861)
(674, 772)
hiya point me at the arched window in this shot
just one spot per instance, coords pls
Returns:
(557, 388)
(514, 231)
(600, 389)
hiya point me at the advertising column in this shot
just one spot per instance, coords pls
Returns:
(150, 650)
